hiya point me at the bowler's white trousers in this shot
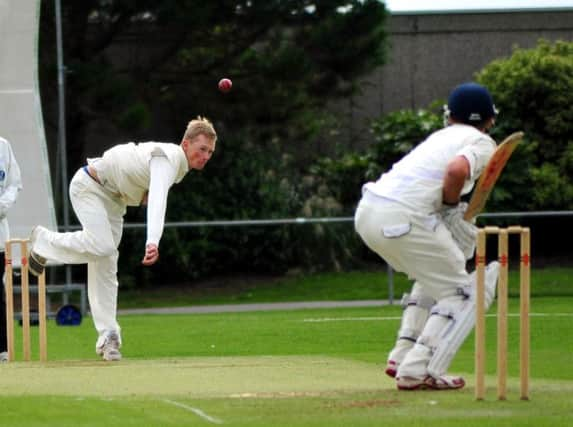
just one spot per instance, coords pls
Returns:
(100, 213)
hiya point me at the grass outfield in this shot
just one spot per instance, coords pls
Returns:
(353, 285)
(319, 367)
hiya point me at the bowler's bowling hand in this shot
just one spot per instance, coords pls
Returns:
(151, 254)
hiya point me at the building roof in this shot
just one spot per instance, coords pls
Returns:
(405, 7)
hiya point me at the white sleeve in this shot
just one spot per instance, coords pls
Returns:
(13, 183)
(162, 177)
(478, 154)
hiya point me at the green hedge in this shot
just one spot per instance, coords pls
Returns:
(532, 90)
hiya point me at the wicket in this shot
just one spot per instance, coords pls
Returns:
(502, 297)
(25, 295)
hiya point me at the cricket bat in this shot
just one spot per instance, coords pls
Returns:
(490, 175)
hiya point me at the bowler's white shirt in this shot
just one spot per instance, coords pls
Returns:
(135, 171)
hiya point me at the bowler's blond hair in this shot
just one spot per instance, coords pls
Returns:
(200, 126)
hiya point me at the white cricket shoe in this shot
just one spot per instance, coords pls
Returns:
(4, 357)
(445, 382)
(36, 262)
(109, 348)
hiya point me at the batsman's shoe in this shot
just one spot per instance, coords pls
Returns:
(109, 350)
(391, 368)
(444, 382)
(4, 357)
(36, 262)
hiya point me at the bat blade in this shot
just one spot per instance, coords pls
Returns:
(491, 173)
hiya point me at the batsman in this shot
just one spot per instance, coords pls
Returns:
(413, 218)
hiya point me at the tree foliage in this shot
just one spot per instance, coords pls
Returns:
(532, 90)
(143, 69)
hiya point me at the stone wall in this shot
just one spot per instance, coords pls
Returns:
(432, 53)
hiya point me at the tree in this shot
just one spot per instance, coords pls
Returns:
(532, 90)
(141, 69)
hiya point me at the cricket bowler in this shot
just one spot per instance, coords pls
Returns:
(125, 175)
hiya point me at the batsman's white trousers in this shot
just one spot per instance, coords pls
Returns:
(100, 213)
(427, 253)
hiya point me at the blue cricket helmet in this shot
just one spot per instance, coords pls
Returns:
(471, 103)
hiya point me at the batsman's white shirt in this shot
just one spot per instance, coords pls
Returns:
(126, 173)
(397, 216)
(416, 181)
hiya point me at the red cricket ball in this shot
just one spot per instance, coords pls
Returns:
(225, 85)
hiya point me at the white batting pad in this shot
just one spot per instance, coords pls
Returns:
(416, 313)
(460, 325)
